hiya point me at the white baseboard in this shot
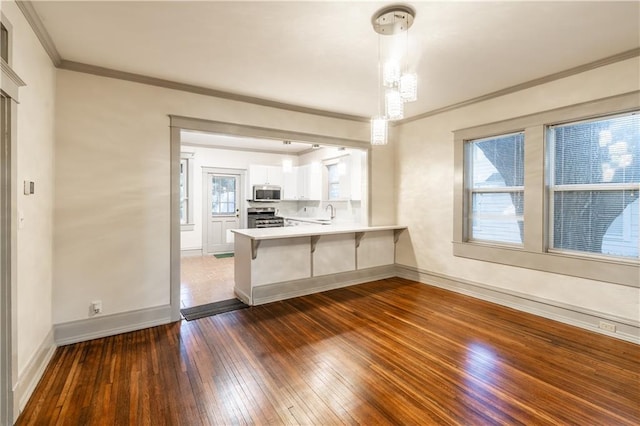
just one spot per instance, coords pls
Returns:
(573, 315)
(109, 325)
(191, 253)
(28, 379)
(244, 297)
(289, 289)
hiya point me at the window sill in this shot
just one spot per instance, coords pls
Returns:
(187, 227)
(615, 271)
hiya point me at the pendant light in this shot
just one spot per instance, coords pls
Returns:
(394, 81)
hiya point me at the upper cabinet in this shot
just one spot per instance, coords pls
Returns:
(335, 179)
(265, 175)
(309, 183)
(290, 184)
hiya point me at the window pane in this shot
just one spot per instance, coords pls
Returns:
(334, 191)
(603, 151)
(183, 192)
(494, 217)
(4, 43)
(498, 162)
(223, 195)
(602, 222)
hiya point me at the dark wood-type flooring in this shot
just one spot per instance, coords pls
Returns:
(386, 352)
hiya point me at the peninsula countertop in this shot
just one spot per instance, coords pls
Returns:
(309, 231)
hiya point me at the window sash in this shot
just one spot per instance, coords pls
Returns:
(500, 222)
(585, 188)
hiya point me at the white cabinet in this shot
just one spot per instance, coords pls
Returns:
(309, 182)
(290, 185)
(265, 175)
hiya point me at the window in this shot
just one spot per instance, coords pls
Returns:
(333, 181)
(186, 191)
(4, 43)
(223, 195)
(555, 191)
(496, 188)
(338, 183)
(594, 185)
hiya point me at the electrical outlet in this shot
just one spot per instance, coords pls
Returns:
(96, 307)
(607, 326)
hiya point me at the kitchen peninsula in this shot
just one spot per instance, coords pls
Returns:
(279, 263)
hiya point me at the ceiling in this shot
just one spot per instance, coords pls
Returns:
(323, 55)
(188, 137)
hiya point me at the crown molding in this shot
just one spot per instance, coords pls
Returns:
(528, 84)
(170, 84)
(40, 31)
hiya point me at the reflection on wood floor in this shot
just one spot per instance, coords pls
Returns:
(389, 352)
(205, 279)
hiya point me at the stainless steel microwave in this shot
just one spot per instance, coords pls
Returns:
(267, 193)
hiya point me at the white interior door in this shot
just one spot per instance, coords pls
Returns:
(222, 211)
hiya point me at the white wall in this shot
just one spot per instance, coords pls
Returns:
(112, 185)
(35, 152)
(425, 192)
(221, 158)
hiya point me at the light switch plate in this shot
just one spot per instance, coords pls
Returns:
(29, 187)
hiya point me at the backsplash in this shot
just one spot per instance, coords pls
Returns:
(347, 211)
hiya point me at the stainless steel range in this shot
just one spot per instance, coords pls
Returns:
(263, 217)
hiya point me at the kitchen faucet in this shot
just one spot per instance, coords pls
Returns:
(332, 213)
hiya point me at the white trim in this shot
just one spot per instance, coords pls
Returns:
(33, 372)
(191, 253)
(97, 327)
(289, 289)
(587, 319)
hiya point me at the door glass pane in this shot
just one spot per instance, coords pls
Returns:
(223, 195)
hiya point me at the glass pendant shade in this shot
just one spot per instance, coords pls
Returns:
(394, 106)
(409, 87)
(390, 73)
(379, 131)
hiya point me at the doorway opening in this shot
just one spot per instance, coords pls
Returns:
(207, 274)
(214, 166)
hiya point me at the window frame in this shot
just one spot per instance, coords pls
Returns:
(534, 253)
(470, 191)
(188, 159)
(554, 188)
(9, 41)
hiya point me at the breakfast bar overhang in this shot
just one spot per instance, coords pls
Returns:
(279, 263)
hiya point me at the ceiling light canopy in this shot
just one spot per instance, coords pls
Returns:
(396, 85)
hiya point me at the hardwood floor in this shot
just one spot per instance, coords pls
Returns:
(387, 352)
(205, 279)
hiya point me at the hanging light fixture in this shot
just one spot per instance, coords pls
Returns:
(394, 79)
